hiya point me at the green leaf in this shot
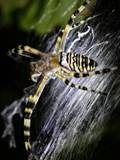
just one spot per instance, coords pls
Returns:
(41, 15)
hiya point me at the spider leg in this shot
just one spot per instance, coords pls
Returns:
(87, 74)
(78, 86)
(86, 10)
(31, 103)
(61, 37)
(83, 12)
(26, 51)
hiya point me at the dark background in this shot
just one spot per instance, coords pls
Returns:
(13, 80)
(14, 77)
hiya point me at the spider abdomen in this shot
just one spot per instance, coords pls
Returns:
(78, 63)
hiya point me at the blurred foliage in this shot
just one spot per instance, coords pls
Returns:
(42, 15)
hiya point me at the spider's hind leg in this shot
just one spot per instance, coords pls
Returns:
(77, 86)
(89, 74)
(64, 77)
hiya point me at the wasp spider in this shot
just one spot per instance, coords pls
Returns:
(46, 65)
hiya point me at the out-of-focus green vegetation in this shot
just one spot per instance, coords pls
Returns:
(42, 15)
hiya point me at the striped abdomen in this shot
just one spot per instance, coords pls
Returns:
(77, 63)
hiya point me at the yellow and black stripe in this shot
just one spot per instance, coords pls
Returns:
(77, 86)
(91, 73)
(83, 12)
(19, 53)
(78, 63)
(87, 9)
(31, 103)
(79, 75)
(26, 52)
(27, 123)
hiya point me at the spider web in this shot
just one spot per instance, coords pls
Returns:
(68, 122)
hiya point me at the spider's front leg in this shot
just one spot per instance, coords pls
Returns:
(27, 52)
